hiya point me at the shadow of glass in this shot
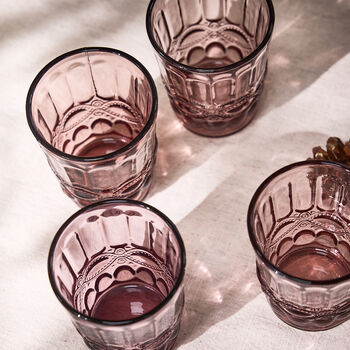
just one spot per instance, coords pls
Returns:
(309, 37)
(179, 150)
(220, 277)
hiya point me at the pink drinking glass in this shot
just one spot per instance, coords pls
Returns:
(212, 56)
(93, 111)
(117, 266)
(299, 226)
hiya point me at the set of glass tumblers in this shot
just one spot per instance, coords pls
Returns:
(118, 264)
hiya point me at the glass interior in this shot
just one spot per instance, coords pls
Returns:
(91, 103)
(209, 33)
(116, 261)
(301, 221)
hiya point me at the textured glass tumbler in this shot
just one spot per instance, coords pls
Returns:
(299, 226)
(93, 111)
(117, 266)
(213, 59)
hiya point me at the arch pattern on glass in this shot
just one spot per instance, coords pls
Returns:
(311, 222)
(93, 110)
(118, 267)
(115, 121)
(299, 224)
(215, 98)
(213, 58)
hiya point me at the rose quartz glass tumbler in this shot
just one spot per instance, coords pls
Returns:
(93, 111)
(299, 226)
(212, 56)
(117, 266)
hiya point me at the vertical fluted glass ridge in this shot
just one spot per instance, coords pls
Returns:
(298, 222)
(93, 110)
(111, 246)
(213, 58)
(186, 30)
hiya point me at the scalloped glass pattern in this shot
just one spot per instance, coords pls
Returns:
(93, 112)
(117, 262)
(299, 224)
(212, 34)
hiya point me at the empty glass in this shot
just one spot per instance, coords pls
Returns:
(299, 226)
(93, 111)
(213, 59)
(117, 266)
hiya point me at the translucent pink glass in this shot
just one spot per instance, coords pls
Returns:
(117, 266)
(299, 226)
(213, 59)
(93, 111)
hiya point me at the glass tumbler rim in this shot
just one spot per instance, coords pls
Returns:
(250, 223)
(52, 63)
(148, 314)
(193, 69)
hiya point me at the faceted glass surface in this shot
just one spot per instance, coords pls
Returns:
(213, 57)
(118, 267)
(93, 110)
(298, 223)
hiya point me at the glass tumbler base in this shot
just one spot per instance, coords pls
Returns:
(165, 341)
(138, 194)
(218, 128)
(217, 123)
(301, 320)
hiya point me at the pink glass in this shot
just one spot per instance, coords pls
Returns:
(117, 266)
(93, 111)
(299, 226)
(212, 56)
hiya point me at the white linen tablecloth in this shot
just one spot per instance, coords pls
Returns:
(204, 185)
